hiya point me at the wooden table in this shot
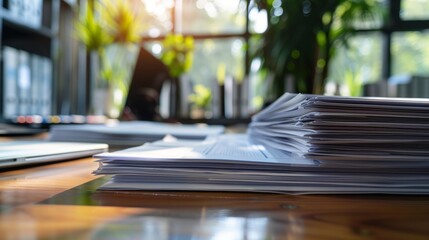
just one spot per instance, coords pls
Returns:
(61, 201)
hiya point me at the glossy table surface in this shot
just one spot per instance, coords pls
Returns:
(61, 201)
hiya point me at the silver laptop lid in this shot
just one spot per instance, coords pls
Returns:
(18, 153)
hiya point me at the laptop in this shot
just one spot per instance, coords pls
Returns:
(22, 153)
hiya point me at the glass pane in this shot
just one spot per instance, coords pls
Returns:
(211, 16)
(414, 9)
(157, 16)
(216, 60)
(215, 56)
(356, 65)
(213, 59)
(373, 20)
(410, 53)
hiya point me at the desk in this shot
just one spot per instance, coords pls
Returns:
(60, 201)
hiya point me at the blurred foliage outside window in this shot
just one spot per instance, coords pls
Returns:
(213, 53)
(411, 51)
(356, 64)
(303, 36)
(414, 10)
(219, 28)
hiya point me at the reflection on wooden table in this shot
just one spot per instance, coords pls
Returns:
(61, 201)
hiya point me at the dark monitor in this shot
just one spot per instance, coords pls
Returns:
(144, 93)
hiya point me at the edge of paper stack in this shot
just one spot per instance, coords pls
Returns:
(300, 144)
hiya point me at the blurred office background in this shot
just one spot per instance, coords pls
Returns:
(245, 53)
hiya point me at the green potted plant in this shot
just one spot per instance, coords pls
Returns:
(177, 55)
(302, 36)
(110, 31)
(200, 100)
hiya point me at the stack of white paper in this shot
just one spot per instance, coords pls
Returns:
(300, 144)
(340, 130)
(133, 133)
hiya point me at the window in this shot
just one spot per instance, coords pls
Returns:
(220, 31)
(410, 51)
(357, 64)
(214, 54)
(397, 47)
(225, 35)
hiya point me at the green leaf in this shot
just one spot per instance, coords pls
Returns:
(201, 96)
(177, 53)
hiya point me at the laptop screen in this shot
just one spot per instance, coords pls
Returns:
(145, 87)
